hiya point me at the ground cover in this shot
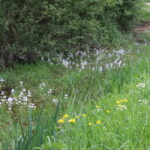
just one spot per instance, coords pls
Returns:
(89, 102)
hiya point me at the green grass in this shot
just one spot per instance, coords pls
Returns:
(145, 14)
(91, 102)
(119, 129)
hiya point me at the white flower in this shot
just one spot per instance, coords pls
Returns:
(25, 98)
(121, 107)
(21, 83)
(9, 108)
(55, 101)
(65, 96)
(141, 85)
(101, 69)
(4, 97)
(23, 89)
(143, 101)
(10, 99)
(31, 105)
(42, 85)
(12, 91)
(1, 79)
(2, 93)
(29, 93)
(21, 94)
(49, 91)
(65, 63)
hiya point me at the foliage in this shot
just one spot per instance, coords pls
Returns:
(53, 26)
(94, 94)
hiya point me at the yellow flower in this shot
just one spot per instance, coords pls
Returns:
(72, 120)
(108, 111)
(121, 106)
(98, 122)
(90, 124)
(97, 106)
(84, 115)
(61, 121)
(121, 101)
(118, 101)
(125, 100)
(66, 116)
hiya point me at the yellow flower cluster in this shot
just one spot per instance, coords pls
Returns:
(98, 122)
(72, 120)
(66, 116)
(121, 101)
(108, 111)
(90, 124)
(97, 106)
(62, 120)
(84, 115)
(120, 105)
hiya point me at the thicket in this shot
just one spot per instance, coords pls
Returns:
(51, 26)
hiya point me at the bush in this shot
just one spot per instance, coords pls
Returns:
(54, 26)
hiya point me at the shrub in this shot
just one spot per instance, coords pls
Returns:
(54, 26)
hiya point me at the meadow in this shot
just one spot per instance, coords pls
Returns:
(97, 100)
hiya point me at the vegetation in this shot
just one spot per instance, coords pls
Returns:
(80, 100)
(50, 27)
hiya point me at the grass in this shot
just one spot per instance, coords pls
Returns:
(90, 93)
(87, 109)
(145, 14)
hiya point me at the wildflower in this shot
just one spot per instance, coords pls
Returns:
(61, 121)
(72, 120)
(98, 122)
(90, 124)
(12, 91)
(1, 79)
(141, 85)
(108, 111)
(101, 69)
(31, 105)
(84, 115)
(121, 107)
(66, 116)
(55, 101)
(29, 93)
(2, 93)
(121, 101)
(21, 83)
(97, 106)
(143, 101)
(65, 96)
(125, 100)
(24, 90)
(49, 91)
(10, 99)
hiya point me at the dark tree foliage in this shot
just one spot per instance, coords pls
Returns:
(51, 26)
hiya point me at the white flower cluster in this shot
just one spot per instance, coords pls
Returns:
(143, 101)
(141, 85)
(1, 79)
(121, 107)
(55, 101)
(99, 59)
(42, 85)
(21, 99)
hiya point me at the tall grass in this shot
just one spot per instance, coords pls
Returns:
(34, 136)
(91, 93)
